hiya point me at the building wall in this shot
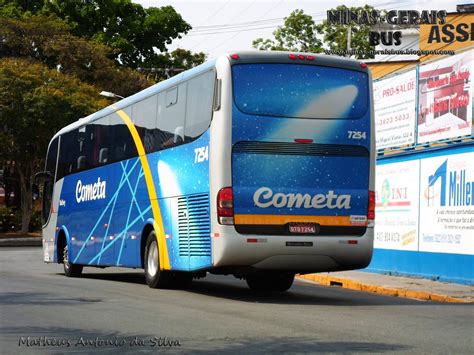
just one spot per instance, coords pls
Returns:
(416, 231)
(411, 238)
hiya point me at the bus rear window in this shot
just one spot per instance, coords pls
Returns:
(300, 91)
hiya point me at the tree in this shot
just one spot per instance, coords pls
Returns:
(47, 40)
(298, 34)
(35, 102)
(134, 34)
(335, 36)
(169, 64)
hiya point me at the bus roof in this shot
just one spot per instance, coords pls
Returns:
(244, 57)
(119, 105)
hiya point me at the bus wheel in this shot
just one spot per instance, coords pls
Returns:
(70, 270)
(267, 281)
(155, 278)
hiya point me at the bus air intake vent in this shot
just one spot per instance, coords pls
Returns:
(194, 225)
(300, 149)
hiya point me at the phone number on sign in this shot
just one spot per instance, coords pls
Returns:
(393, 119)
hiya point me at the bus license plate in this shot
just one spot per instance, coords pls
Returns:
(302, 228)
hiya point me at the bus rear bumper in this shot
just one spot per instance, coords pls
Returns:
(293, 253)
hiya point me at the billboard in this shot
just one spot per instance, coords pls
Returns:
(447, 204)
(395, 110)
(445, 98)
(396, 208)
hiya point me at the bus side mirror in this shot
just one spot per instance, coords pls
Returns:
(41, 176)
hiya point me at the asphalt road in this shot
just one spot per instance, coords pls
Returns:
(216, 314)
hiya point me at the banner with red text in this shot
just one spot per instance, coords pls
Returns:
(395, 110)
(445, 98)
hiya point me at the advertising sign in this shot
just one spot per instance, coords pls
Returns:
(395, 110)
(447, 204)
(396, 208)
(445, 98)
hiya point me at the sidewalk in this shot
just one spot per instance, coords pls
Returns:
(16, 239)
(398, 286)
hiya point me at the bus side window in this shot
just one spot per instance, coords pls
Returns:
(84, 148)
(144, 118)
(101, 142)
(124, 146)
(171, 115)
(103, 156)
(199, 105)
(68, 154)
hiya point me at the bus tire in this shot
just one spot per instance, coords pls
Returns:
(70, 269)
(155, 278)
(273, 281)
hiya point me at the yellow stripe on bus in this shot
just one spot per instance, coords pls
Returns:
(279, 219)
(158, 222)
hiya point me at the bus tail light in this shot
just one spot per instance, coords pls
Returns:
(225, 206)
(300, 56)
(371, 209)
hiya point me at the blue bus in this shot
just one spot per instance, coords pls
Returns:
(255, 164)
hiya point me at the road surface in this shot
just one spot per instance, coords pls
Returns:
(44, 312)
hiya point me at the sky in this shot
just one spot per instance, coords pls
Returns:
(223, 26)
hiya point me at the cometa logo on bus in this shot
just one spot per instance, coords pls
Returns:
(265, 198)
(90, 192)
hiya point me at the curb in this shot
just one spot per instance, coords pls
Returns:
(21, 242)
(381, 290)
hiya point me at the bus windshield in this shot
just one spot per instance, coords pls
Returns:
(300, 91)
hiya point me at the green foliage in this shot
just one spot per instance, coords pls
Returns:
(35, 102)
(298, 33)
(131, 31)
(168, 64)
(47, 40)
(35, 222)
(335, 36)
(182, 58)
(10, 220)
